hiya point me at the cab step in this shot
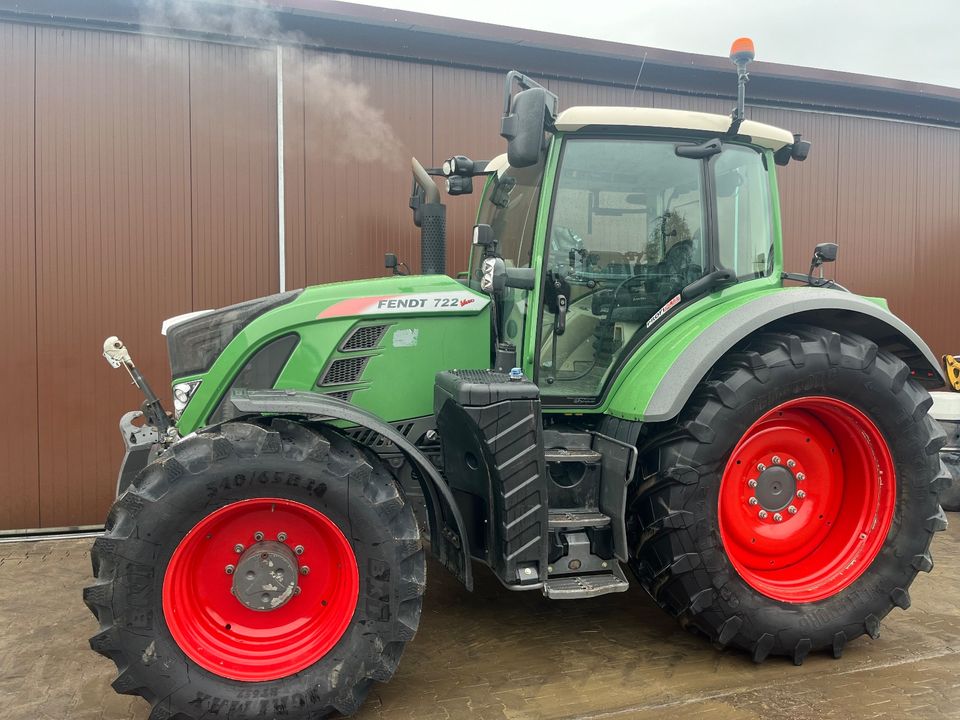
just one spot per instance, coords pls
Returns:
(575, 587)
(570, 519)
(571, 455)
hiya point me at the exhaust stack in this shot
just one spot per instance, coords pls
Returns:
(430, 215)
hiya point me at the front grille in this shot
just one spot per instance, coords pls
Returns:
(364, 338)
(344, 371)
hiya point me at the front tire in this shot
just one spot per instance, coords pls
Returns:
(793, 502)
(255, 572)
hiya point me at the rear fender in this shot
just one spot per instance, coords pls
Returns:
(830, 309)
(448, 538)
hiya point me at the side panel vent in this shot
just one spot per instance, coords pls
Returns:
(364, 338)
(344, 371)
(344, 395)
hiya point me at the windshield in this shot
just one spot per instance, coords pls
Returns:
(629, 230)
(509, 207)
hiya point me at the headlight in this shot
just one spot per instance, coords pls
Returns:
(182, 392)
(194, 344)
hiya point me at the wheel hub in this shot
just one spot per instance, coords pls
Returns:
(776, 488)
(266, 576)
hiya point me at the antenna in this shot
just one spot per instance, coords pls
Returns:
(637, 83)
(741, 53)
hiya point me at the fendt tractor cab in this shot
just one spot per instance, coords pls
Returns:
(624, 376)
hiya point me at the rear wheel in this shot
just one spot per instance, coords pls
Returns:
(257, 572)
(793, 502)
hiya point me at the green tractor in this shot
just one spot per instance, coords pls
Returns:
(624, 376)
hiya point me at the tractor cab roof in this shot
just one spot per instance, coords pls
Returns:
(584, 118)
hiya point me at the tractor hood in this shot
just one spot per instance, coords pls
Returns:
(377, 343)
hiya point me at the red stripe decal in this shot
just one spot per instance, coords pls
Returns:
(352, 306)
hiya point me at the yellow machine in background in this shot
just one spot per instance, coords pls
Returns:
(952, 366)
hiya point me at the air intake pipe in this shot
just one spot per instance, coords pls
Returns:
(430, 215)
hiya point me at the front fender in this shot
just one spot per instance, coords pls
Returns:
(693, 348)
(448, 537)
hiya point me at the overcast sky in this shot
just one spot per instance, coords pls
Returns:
(905, 39)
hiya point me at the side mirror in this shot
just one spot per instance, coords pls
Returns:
(525, 126)
(825, 252)
(526, 118)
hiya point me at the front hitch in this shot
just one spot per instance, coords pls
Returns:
(117, 355)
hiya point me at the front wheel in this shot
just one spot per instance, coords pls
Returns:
(260, 571)
(793, 502)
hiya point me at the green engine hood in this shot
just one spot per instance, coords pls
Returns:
(423, 324)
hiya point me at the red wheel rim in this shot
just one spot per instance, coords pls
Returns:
(227, 637)
(807, 499)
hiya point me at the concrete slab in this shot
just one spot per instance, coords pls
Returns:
(497, 655)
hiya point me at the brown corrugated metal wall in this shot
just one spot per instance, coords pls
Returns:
(139, 181)
(19, 456)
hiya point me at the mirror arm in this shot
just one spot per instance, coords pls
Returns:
(520, 278)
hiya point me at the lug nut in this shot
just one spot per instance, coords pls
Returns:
(296, 590)
(801, 494)
(751, 483)
(298, 549)
(777, 517)
(801, 476)
(792, 510)
(282, 536)
(775, 459)
(753, 501)
(791, 463)
(229, 569)
(761, 467)
(305, 570)
(238, 548)
(258, 536)
(762, 514)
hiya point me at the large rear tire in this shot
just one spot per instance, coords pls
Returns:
(256, 572)
(793, 502)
